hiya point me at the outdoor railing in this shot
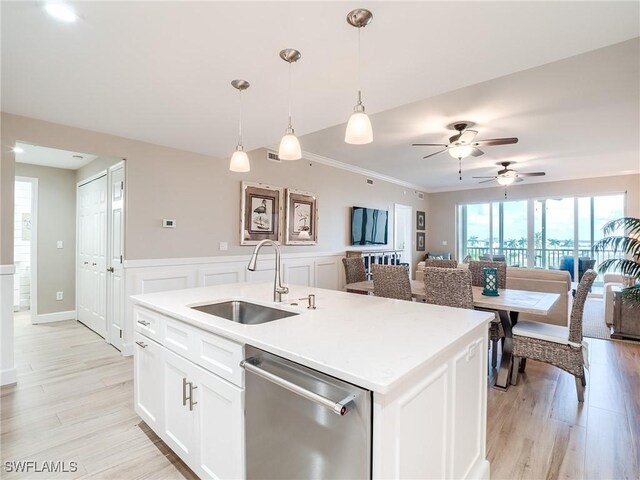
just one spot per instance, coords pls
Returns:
(543, 257)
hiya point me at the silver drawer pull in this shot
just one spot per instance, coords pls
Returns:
(144, 323)
(184, 391)
(191, 402)
(339, 408)
(142, 344)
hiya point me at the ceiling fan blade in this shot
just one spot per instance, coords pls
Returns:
(485, 177)
(444, 150)
(487, 181)
(467, 136)
(476, 152)
(429, 145)
(518, 180)
(454, 138)
(532, 174)
(495, 141)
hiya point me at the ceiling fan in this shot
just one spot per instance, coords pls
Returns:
(508, 176)
(463, 144)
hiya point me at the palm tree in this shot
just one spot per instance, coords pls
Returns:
(537, 239)
(628, 245)
(553, 242)
(472, 241)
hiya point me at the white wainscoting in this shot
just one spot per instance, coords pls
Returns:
(323, 270)
(7, 364)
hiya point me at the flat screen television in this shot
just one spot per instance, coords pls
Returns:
(369, 226)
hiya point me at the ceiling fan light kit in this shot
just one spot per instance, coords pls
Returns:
(289, 145)
(464, 143)
(239, 160)
(359, 130)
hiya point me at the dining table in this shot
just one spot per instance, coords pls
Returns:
(508, 304)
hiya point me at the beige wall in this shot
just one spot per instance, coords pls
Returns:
(100, 164)
(441, 216)
(56, 221)
(202, 195)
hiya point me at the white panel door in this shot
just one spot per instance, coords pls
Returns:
(92, 255)
(115, 272)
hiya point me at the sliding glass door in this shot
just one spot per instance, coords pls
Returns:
(554, 233)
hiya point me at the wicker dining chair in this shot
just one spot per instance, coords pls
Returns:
(391, 281)
(440, 263)
(354, 271)
(554, 344)
(496, 332)
(450, 287)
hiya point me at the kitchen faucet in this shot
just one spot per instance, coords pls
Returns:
(278, 288)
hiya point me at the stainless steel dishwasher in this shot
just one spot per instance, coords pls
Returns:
(300, 423)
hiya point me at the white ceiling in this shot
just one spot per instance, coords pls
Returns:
(52, 157)
(160, 71)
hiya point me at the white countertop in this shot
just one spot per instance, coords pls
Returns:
(369, 341)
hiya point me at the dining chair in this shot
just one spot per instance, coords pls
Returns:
(391, 281)
(496, 332)
(450, 287)
(554, 344)
(440, 262)
(354, 271)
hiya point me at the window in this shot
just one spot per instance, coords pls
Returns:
(555, 233)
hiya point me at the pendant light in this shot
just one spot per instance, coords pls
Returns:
(359, 131)
(289, 145)
(239, 160)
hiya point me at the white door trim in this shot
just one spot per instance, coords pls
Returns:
(408, 248)
(33, 288)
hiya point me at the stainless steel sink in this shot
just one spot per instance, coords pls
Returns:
(244, 312)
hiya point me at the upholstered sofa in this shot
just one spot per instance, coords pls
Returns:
(536, 280)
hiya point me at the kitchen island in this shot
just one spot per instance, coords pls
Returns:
(425, 366)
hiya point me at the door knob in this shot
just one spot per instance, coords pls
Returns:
(110, 269)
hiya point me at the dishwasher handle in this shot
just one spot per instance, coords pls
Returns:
(339, 408)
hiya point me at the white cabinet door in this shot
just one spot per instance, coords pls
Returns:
(180, 422)
(148, 385)
(115, 301)
(220, 416)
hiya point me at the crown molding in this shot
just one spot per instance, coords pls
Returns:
(360, 171)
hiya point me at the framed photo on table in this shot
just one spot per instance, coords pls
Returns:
(301, 220)
(420, 220)
(420, 237)
(260, 213)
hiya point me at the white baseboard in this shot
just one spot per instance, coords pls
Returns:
(8, 376)
(55, 317)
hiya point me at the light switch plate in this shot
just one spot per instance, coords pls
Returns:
(223, 246)
(59, 244)
(59, 296)
(444, 242)
(168, 223)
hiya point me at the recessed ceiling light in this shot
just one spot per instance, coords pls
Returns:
(18, 150)
(61, 11)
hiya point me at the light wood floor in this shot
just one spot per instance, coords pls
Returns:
(74, 402)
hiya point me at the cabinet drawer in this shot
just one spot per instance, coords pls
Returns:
(148, 322)
(211, 352)
(179, 337)
(220, 356)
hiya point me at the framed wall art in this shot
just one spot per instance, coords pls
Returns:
(301, 221)
(420, 237)
(260, 213)
(420, 220)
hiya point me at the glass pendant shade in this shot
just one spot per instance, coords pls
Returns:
(289, 147)
(239, 161)
(460, 151)
(304, 235)
(506, 179)
(359, 131)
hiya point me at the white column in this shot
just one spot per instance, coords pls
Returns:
(7, 364)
